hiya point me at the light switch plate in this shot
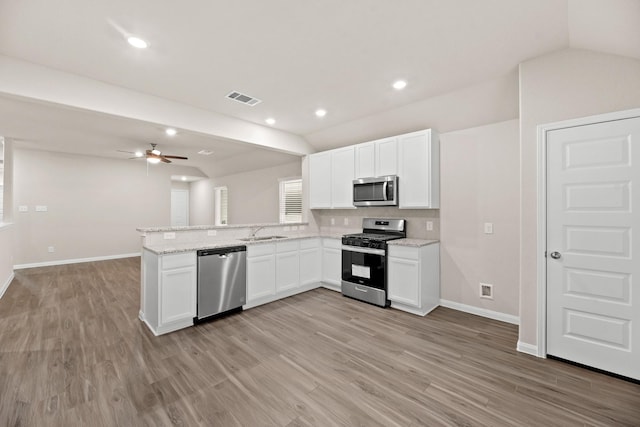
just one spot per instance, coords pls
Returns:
(41, 208)
(294, 228)
(287, 228)
(333, 221)
(488, 228)
(429, 225)
(23, 208)
(170, 235)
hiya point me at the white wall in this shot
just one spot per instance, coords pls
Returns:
(253, 197)
(563, 85)
(94, 205)
(479, 182)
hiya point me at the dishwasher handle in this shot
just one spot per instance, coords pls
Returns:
(222, 252)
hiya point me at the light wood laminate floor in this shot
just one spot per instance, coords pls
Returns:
(74, 353)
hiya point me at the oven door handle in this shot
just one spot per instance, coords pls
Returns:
(358, 249)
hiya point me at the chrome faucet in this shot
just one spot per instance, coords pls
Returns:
(253, 233)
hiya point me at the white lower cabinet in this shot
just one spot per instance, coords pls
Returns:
(279, 270)
(332, 263)
(287, 265)
(414, 278)
(310, 261)
(170, 285)
(261, 272)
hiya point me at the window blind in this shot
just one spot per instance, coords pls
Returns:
(221, 206)
(290, 200)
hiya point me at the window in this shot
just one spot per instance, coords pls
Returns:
(290, 200)
(221, 204)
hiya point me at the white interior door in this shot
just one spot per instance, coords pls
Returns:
(593, 304)
(179, 208)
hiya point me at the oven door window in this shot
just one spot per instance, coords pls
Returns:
(364, 269)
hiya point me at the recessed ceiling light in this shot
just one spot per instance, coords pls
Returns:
(399, 85)
(170, 131)
(184, 178)
(137, 42)
(270, 121)
(321, 113)
(138, 153)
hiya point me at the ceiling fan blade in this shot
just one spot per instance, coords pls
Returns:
(128, 152)
(136, 157)
(175, 157)
(164, 159)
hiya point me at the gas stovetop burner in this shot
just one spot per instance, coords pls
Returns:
(376, 232)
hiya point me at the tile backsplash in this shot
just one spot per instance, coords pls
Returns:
(350, 220)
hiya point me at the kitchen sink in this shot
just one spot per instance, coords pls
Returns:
(260, 239)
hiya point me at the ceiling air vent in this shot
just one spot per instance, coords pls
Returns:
(245, 99)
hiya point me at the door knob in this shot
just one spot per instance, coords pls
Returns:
(555, 255)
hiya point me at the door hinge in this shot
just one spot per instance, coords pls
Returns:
(545, 254)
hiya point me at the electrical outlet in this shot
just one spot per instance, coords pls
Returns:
(333, 221)
(287, 228)
(486, 291)
(488, 228)
(346, 221)
(429, 225)
(212, 233)
(302, 228)
(23, 208)
(51, 249)
(41, 208)
(294, 228)
(170, 235)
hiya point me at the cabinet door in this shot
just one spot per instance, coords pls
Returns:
(404, 281)
(310, 266)
(320, 180)
(415, 170)
(287, 271)
(178, 294)
(342, 173)
(365, 161)
(332, 266)
(386, 157)
(261, 277)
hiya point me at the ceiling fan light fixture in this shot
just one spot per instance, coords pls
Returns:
(153, 160)
(155, 152)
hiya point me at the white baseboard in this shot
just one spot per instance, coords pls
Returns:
(6, 284)
(495, 315)
(531, 349)
(74, 261)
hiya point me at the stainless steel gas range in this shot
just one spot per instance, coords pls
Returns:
(364, 259)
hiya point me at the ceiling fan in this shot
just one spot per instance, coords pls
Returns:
(154, 155)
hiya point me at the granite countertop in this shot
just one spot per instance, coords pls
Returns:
(174, 248)
(216, 227)
(414, 243)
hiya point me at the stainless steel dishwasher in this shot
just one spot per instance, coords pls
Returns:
(222, 280)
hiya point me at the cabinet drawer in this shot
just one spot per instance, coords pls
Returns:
(178, 260)
(404, 252)
(309, 243)
(288, 246)
(261, 249)
(332, 243)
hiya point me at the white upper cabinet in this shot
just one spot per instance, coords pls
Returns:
(331, 175)
(413, 157)
(365, 160)
(377, 158)
(342, 174)
(419, 170)
(320, 180)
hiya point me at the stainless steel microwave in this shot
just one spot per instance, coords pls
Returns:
(380, 191)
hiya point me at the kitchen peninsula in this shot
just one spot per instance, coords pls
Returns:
(282, 260)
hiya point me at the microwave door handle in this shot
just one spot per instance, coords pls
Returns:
(384, 190)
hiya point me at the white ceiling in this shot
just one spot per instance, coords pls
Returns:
(294, 55)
